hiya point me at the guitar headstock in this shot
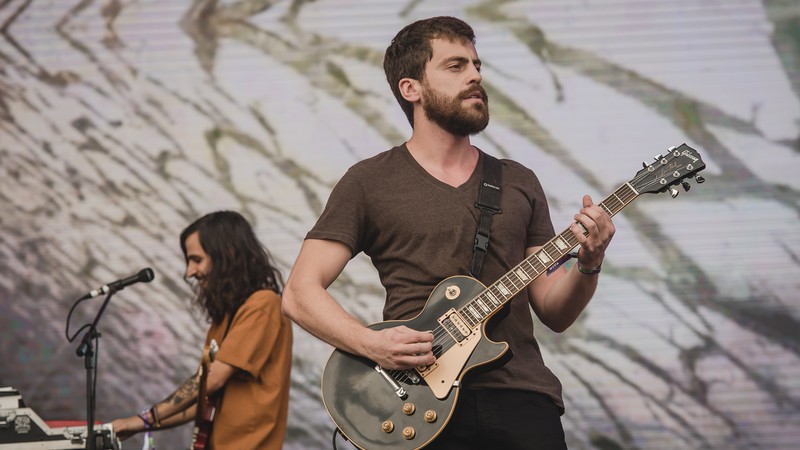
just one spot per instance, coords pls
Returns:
(675, 167)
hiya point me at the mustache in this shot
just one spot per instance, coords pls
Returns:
(476, 90)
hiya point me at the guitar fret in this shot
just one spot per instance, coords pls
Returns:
(499, 295)
(466, 315)
(544, 258)
(532, 268)
(539, 267)
(474, 311)
(552, 250)
(513, 281)
(522, 275)
(562, 244)
(504, 290)
(617, 204)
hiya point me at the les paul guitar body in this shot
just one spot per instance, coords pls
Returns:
(401, 409)
(376, 408)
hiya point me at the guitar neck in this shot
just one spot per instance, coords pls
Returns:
(510, 284)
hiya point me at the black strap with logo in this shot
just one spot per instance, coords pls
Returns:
(489, 204)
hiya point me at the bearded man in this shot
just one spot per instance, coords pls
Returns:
(412, 210)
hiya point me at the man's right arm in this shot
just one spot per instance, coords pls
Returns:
(307, 302)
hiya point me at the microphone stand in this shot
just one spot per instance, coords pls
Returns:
(86, 351)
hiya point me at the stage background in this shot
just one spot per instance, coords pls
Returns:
(123, 120)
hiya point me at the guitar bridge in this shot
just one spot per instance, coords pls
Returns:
(398, 390)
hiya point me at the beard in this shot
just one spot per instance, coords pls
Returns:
(451, 115)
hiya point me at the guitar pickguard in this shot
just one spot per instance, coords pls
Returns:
(442, 375)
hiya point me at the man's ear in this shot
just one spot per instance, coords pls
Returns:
(410, 89)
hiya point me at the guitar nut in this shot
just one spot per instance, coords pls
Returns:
(409, 433)
(409, 408)
(387, 426)
(430, 416)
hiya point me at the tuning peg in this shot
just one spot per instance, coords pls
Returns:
(673, 192)
(657, 157)
(686, 186)
(699, 179)
(672, 148)
(644, 164)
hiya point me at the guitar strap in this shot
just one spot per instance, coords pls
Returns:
(230, 322)
(220, 394)
(489, 204)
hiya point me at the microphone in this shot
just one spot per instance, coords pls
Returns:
(144, 276)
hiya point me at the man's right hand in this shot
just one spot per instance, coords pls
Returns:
(400, 348)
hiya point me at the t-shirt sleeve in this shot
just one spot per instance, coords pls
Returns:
(253, 333)
(343, 216)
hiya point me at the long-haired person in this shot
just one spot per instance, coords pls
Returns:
(239, 288)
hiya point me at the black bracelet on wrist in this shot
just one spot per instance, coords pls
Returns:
(156, 422)
(588, 271)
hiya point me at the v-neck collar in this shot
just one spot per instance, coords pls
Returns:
(472, 180)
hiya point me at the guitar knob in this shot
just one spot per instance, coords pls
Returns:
(387, 426)
(699, 179)
(409, 433)
(686, 186)
(430, 416)
(409, 408)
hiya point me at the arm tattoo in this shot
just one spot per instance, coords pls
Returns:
(186, 391)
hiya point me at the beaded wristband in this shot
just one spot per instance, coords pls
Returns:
(588, 272)
(143, 416)
(149, 441)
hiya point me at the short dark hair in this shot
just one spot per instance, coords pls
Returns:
(240, 265)
(411, 49)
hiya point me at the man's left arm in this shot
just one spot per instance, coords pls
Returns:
(179, 407)
(560, 297)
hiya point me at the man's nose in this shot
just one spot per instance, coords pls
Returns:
(475, 74)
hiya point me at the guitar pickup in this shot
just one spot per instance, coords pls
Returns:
(455, 325)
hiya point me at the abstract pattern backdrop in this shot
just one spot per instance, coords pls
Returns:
(123, 120)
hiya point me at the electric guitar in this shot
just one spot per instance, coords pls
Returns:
(206, 407)
(376, 408)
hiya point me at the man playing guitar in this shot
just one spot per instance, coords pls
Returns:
(248, 381)
(412, 210)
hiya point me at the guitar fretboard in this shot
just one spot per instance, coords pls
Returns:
(510, 284)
